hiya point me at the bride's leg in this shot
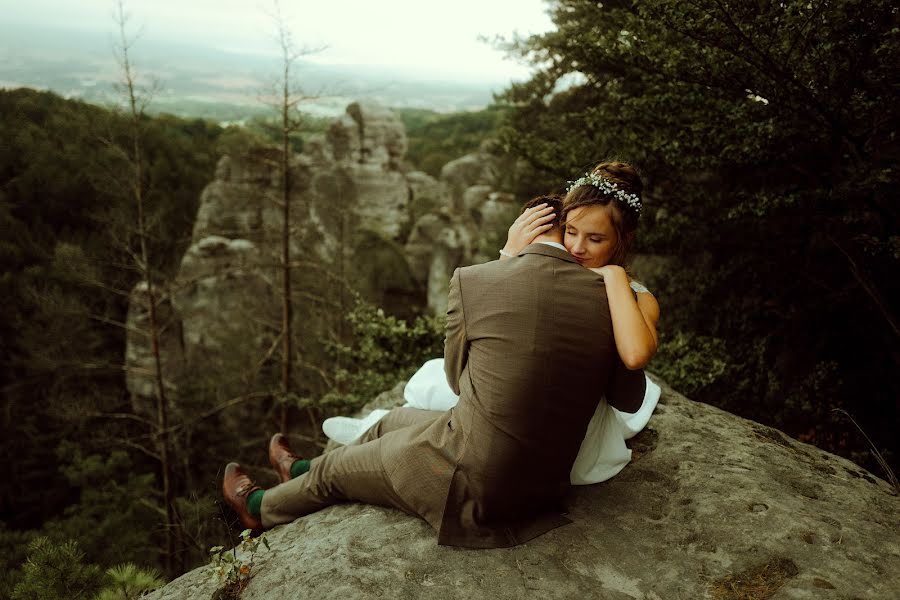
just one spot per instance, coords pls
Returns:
(396, 419)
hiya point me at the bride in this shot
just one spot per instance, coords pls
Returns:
(600, 215)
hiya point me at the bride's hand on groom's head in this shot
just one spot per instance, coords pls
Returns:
(530, 224)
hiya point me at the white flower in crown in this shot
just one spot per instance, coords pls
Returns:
(607, 186)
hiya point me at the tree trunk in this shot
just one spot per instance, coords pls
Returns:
(161, 433)
(287, 308)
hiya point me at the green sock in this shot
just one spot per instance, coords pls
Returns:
(299, 467)
(254, 503)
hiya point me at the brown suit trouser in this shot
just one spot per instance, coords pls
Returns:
(350, 473)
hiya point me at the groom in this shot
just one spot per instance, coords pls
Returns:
(530, 351)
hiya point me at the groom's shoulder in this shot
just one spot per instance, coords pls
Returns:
(528, 262)
(529, 269)
(494, 268)
(474, 273)
(487, 268)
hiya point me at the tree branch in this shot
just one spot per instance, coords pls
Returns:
(869, 287)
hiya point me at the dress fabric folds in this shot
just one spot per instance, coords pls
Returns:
(603, 452)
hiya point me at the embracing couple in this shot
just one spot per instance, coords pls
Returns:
(534, 342)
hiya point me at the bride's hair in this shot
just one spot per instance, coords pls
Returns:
(624, 217)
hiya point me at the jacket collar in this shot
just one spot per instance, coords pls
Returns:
(546, 250)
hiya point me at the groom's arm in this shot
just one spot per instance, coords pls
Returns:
(456, 347)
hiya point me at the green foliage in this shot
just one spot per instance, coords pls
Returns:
(115, 503)
(766, 133)
(114, 519)
(66, 270)
(223, 113)
(265, 130)
(434, 139)
(129, 582)
(13, 554)
(55, 570)
(236, 141)
(691, 363)
(385, 350)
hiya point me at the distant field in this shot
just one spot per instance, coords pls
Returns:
(194, 81)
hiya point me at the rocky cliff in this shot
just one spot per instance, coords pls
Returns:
(360, 221)
(712, 506)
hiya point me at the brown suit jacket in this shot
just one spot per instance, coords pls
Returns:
(530, 351)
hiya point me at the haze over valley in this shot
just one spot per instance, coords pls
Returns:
(197, 80)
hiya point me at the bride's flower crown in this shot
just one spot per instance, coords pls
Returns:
(608, 187)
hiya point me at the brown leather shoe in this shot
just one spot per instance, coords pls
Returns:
(281, 456)
(236, 487)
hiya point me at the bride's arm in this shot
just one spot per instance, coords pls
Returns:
(634, 320)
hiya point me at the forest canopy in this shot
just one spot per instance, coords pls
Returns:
(767, 135)
(64, 255)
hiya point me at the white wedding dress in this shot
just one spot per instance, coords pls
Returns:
(603, 452)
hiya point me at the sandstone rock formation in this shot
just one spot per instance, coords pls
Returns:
(462, 174)
(359, 221)
(712, 506)
(438, 244)
(140, 363)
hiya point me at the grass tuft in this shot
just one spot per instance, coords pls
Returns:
(891, 477)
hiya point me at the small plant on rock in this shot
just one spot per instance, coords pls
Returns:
(233, 571)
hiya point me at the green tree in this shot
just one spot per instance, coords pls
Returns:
(434, 139)
(135, 234)
(129, 582)
(63, 282)
(13, 555)
(384, 351)
(117, 510)
(285, 99)
(55, 571)
(767, 135)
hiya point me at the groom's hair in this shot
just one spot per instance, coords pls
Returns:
(551, 200)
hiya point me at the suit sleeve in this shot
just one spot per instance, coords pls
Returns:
(456, 346)
(626, 387)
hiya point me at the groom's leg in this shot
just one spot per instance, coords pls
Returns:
(397, 418)
(352, 472)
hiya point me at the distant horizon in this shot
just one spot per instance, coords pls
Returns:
(407, 38)
(102, 41)
(80, 64)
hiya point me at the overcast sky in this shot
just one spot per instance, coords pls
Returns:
(421, 36)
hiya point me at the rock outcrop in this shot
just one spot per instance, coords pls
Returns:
(712, 506)
(358, 220)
